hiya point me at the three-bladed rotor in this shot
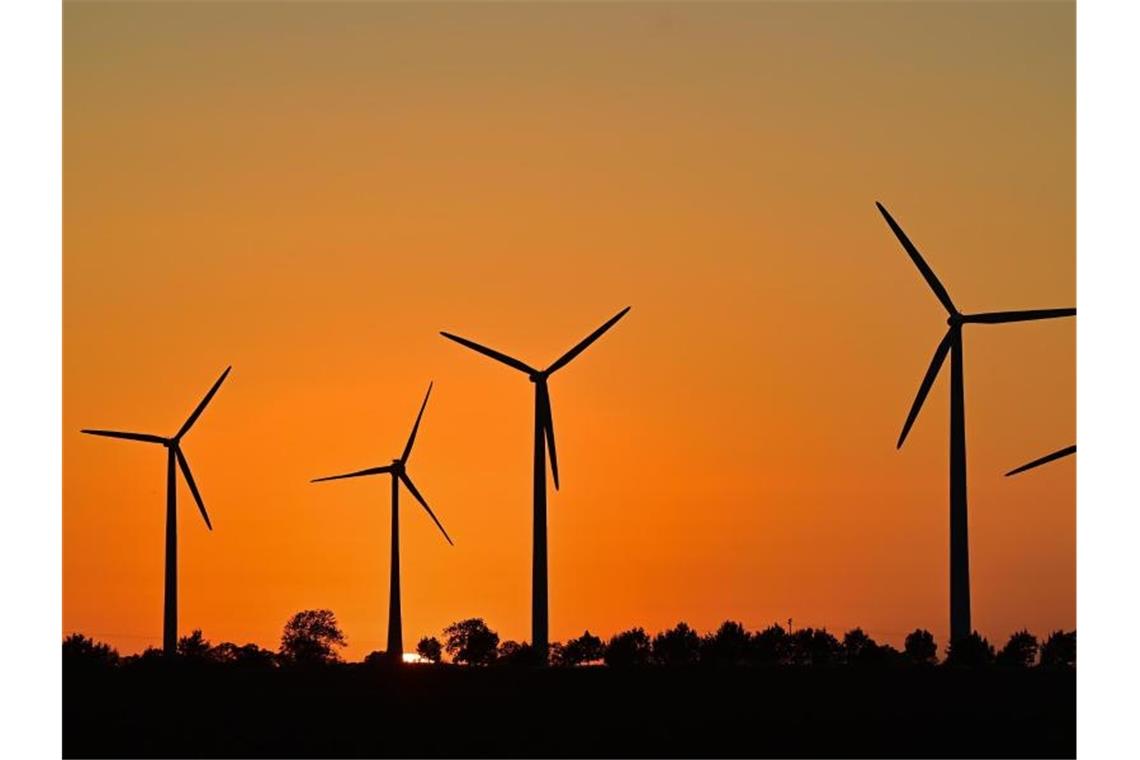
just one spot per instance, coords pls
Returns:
(398, 469)
(174, 443)
(955, 319)
(540, 377)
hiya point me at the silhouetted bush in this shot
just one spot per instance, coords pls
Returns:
(377, 658)
(972, 651)
(628, 649)
(82, 652)
(430, 649)
(247, 656)
(1019, 652)
(309, 638)
(770, 647)
(583, 650)
(920, 647)
(677, 646)
(151, 657)
(1059, 650)
(471, 642)
(727, 647)
(517, 654)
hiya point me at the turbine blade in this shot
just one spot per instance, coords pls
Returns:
(998, 317)
(548, 425)
(1044, 460)
(193, 486)
(569, 355)
(416, 427)
(496, 355)
(128, 436)
(198, 411)
(412, 487)
(357, 474)
(916, 257)
(927, 381)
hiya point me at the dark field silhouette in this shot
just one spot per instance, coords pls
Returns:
(730, 693)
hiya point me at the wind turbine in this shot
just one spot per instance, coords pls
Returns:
(173, 453)
(399, 473)
(543, 439)
(1060, 453)
(951, 344)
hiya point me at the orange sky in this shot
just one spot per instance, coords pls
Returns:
(310, 192)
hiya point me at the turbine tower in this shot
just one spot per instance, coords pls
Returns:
(951, 344)
(399, 474)
(1060, 453)
(173, 454)
(543, 440)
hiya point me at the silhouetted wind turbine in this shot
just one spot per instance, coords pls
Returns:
(951, 343)
(543, 439)
(399, 473)
(1044, 460)
(173, 453)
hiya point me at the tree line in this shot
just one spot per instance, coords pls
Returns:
(313, 638)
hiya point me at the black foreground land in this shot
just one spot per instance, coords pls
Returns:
(429, 711)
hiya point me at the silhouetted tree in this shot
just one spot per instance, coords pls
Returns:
(1019, 652)
(677, 646)
(817, 647)
(309, 638)
(247, 656)
(920, 647)
(727, 647)
(82, 652)
(585, 649)
(1059, 650)
(194, 647)
(770, 646)
(628, 649)
(430, 649)
(471, 642)
(861, 649)
(972, 651)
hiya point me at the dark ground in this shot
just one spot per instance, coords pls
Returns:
(592, 712)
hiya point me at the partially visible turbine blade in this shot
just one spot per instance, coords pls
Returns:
(927, 381)
(496, 355)
(569, 355)
(547, 422)
(128, 436)
(1044, 460)
(198, 411)
(412, 487)
(357, 474)
(412, 437)
(193, 486)
(997, 317)
(916, 257)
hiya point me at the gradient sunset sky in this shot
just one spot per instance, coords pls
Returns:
(311, 191)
